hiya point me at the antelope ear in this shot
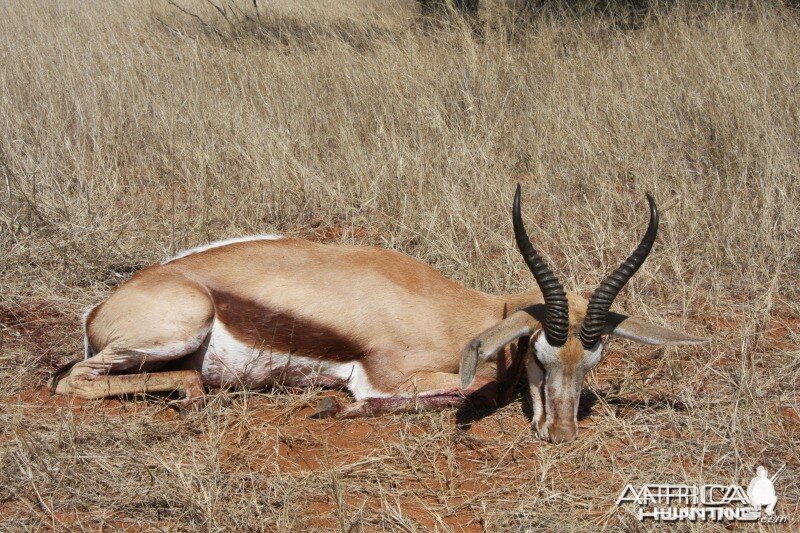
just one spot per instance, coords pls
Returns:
(487, 344)
(636, 329)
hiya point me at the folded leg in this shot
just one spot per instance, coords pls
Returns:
(95, 376)
(431, 391)
(90, 386)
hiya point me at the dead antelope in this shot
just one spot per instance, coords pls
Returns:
(268, 310)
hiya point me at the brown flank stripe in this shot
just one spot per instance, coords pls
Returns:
(263, 327)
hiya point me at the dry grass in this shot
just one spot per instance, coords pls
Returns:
(131, 130)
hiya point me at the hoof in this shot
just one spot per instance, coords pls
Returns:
(541, 431)
(328, 407)
(62, 372)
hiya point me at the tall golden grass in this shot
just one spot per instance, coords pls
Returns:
(129, 131)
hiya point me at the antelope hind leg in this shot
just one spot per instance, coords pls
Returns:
(92, 387)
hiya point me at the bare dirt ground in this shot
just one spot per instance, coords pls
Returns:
(131, 131)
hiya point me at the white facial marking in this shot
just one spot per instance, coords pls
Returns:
(592, 357)
(545, 352)
(561, 389)
(535, 384)
(226, 242)
(231, 362)
(548, 354)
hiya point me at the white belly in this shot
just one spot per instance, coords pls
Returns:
(231, 363)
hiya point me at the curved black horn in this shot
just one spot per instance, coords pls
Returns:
(555, 299)
(603, 297)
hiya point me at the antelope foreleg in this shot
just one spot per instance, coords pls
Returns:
(483, 394)
(330, 407)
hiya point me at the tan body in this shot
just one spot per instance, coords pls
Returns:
(297, 313)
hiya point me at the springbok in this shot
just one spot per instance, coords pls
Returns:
(269, 310)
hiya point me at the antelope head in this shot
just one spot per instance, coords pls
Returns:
(565, 333)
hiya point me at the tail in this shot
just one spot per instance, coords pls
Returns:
(60, 374)
(62, 371)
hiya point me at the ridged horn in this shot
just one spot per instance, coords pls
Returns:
(557, 317)
(603, 297)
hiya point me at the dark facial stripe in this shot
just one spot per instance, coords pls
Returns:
(262, 327)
